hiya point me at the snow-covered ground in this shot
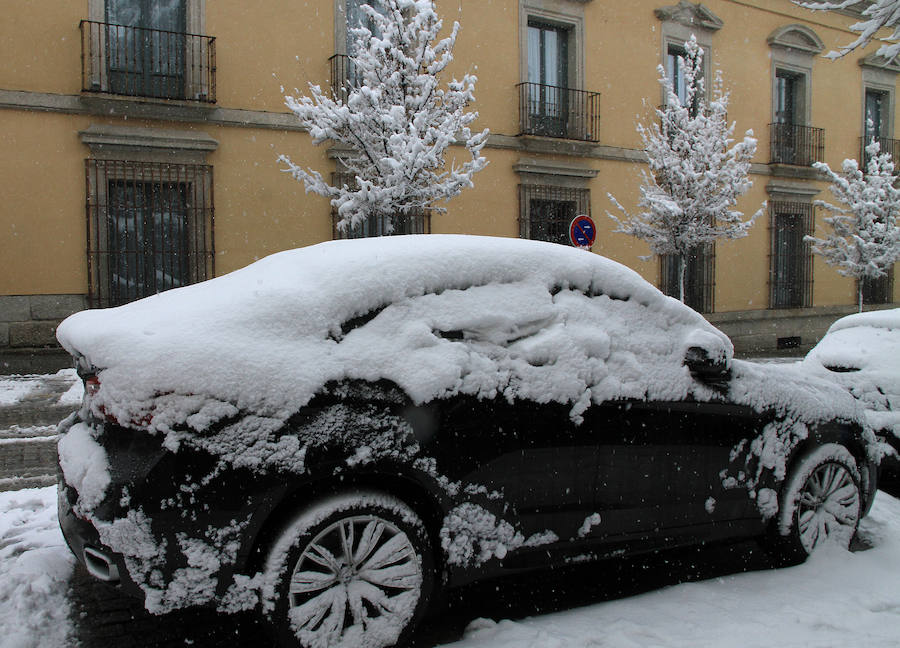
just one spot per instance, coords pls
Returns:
(836, 599)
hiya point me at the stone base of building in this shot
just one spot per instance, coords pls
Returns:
(28, 332)
(780, 332)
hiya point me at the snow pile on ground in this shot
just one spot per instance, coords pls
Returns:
(35, 566)
(836, 599)
(862, 353)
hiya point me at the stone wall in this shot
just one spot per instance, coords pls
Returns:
(28, 332)
(780, 332)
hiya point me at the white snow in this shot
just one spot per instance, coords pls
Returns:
(35, 566)
(267, 337)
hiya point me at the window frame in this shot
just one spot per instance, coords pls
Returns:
(198, 60)
(551, 193)
(782, 295)
(197, 180)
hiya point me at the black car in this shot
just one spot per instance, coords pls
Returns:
(332, 434)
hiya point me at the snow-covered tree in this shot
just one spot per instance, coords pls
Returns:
(694, 178)
(879, 14)
(392, 123)
(865, 239)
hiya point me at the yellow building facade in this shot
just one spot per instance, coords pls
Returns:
(140, 142)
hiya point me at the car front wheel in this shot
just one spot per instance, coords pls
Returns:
(821, 503)
(352, 570)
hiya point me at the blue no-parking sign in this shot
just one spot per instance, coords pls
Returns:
(582, 231)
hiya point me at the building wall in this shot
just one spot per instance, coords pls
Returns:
(261, 47)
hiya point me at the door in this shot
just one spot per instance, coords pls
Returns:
(788, 130)
(542, 464)
(659, 469)
(548, 52)
(146, 47)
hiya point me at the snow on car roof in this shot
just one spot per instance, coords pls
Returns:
(886, 319)
(268, 336)
(437, 315)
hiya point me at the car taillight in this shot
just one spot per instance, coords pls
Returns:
(91, 385)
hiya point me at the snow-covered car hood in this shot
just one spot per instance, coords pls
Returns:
(861, 352)
(437, 315)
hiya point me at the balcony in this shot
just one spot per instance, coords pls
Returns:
(796, 145)
(552, 111)
(140, 62)
(888, 145)
(343, 75)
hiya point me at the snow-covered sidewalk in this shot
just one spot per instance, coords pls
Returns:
(851, 600)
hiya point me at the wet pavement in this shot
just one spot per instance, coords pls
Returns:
(30, 408)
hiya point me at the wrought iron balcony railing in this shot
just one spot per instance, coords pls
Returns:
(795, 144)
(140, 62)
(559, 112)
(343, 74)
(887, 145)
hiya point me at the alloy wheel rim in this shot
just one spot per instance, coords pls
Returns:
(360, 577)
(828, 507)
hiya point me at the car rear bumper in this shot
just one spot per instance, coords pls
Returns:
(84, 541)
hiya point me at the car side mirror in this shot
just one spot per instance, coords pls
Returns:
(714, 372)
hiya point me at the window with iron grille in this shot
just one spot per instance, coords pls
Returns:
(545, 211)
(790, 269)
(414, 221)
(699, 277)
(880, 290)
(149, 228)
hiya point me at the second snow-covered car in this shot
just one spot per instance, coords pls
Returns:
(333, 433)
(861, 353)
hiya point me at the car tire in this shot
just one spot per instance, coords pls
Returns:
(821, 503)
(353, 569)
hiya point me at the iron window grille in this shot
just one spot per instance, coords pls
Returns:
(546, 211)
(790, 256)
(413, 221)
(142, 62)
(880, 290)
(149, 228)
(796, 144)
(699, 277)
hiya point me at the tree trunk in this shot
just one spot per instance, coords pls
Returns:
(859, 289)
(682, 270)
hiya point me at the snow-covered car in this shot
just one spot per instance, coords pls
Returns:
(334, 433)
(861, 352)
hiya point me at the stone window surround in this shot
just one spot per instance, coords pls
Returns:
(879, 75)
(568, 14)
(140, 145)
(678, 23)
(794, 48)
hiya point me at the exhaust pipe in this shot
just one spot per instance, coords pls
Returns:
(100, 566)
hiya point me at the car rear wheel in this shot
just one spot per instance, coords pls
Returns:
(352, 570)
(821, 503)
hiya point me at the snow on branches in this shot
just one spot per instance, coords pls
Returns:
(879, 14)
(391, 122)
(865, 237)
(694, 178)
